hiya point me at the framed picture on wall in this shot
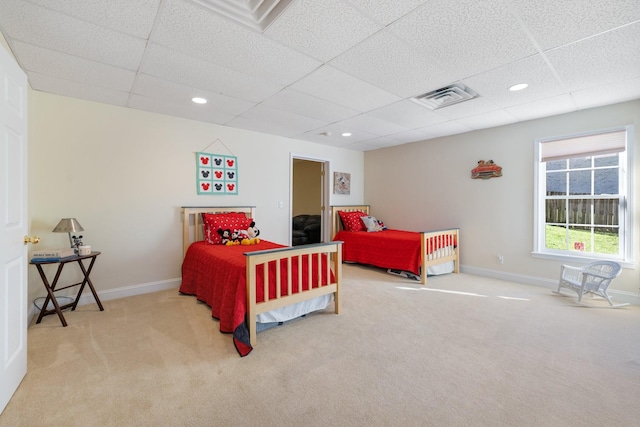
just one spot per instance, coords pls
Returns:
(341, 183)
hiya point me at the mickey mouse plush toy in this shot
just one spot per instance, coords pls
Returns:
(226, 236)
(250, 235)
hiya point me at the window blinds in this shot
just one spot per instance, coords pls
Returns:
(584, 146)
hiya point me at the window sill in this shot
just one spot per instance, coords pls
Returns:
(579, 259)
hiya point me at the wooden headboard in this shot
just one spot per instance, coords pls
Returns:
(336, 222)
(193, 227)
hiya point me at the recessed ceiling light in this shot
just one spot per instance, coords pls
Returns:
(517, 87)
(199, 100)
(346, 134)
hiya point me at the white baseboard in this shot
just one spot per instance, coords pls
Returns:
(117, 293)
(616, 296)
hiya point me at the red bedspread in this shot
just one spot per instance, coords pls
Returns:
(395, 249)
(215, 274)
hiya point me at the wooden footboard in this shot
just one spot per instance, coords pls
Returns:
(261, 259)
(438, 247)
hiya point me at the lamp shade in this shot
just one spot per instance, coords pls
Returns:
(68, 225)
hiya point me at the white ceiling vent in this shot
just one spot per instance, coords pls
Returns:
(255, 14)
(445, 96)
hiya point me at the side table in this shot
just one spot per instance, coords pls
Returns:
(51, 288)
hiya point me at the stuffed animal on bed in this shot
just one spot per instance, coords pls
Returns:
(250, 235)
(225, 234)
(229, 238)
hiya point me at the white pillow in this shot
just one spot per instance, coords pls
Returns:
(371, 223)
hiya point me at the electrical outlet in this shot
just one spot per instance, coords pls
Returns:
(500, 259)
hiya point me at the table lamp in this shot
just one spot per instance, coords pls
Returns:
(70, 225)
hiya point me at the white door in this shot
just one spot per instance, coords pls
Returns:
(13, 226)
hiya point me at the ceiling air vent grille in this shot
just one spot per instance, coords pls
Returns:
(255, 14)
(445, 96)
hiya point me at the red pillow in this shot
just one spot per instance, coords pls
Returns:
(351, 220)
(232, 221)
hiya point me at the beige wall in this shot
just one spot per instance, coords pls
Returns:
(427, 185)
(124, 174)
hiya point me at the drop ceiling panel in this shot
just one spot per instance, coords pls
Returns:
(543, 107)
(489, 119)
(336, 86)
(177, 67)
(467, 36)
(321, 29)
(72, 36)
(295, 122)
(445, 128)
(407, 114)
(555, 23)
(190, 29)
(385, 12)
(371, 124)
(606, 58)
(191, 112)
(177, 94)
(468, 108)
(607, 94)
(337, 129)
(75, 89)
(130, 17)
(390, 63)
(73, 68)
(307, 105)
(533, 70)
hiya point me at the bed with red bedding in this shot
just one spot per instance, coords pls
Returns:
(231, 279)
(419, 253)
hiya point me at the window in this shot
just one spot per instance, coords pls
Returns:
(582, 195)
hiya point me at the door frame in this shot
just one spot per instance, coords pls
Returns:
(325, 167)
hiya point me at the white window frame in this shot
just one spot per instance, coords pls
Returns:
(626, 192)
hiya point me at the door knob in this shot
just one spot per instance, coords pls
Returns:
(34, 239)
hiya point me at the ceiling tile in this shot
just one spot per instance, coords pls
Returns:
(335, 131)
(371, 124)
(192, 30)
(131, 17)
(336, 86)
(177, 67)
(390, 63)
(452, 34)
(489, 119)
(70, 35)
(385, 12)
(534, 71)
(543, 108)
(445, 128)
(555, 23)
(468, 108)
(188, 112)
(408, 114)
(307, 105)
(75, 89)
(294, 122)
(174, 93)
(606, 58)
(63, 66)
(625, 90)
(321, 29)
